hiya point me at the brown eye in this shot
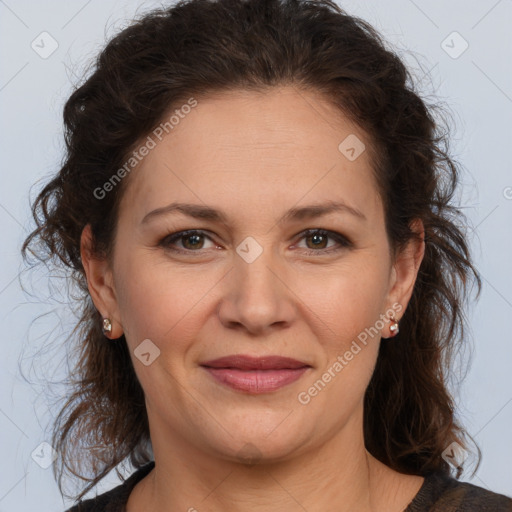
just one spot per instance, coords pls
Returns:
(186, 241)
(192, 241)
(317, 241)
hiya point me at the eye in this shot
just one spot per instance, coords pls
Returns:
(191, 240)
(317, 241)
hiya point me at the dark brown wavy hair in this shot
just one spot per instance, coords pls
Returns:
(197, 48)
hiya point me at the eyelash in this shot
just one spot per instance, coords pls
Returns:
(344, 242)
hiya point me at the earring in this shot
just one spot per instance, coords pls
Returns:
(107, 326)
(393, 328)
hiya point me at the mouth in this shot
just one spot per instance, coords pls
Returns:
(255, 375)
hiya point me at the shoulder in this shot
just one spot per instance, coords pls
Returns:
(441, 492)
(115, 499)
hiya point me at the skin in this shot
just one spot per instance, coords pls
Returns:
(254, 156)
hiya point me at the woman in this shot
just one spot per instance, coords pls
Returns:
(257, 208)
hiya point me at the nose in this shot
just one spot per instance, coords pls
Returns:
(256, 297)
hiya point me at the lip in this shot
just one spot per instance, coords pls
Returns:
(243, 362)
(255, 375)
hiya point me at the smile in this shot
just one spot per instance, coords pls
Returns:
(255, 375)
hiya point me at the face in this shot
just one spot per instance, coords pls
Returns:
(261, 265)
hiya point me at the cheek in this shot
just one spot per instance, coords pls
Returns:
(159, 302)
(162, 301)
(346, 302)
(351, 308)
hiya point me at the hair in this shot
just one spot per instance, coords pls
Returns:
(202, 47)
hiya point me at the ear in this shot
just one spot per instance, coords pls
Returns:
(100, 283)
(405, 270)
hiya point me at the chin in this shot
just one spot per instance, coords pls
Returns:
(261, 443)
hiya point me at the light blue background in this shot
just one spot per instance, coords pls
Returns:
(477, 86)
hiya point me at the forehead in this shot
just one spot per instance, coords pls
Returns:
(254, 149)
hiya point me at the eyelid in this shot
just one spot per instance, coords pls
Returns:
(342, 241)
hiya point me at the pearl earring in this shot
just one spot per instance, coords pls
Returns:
(107, 326)
(393, 328)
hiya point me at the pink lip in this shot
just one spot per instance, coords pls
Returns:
(242, 362)
(255, 375)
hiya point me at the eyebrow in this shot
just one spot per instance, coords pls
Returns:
(204, 212)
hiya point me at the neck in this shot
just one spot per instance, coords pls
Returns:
(337, 475)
